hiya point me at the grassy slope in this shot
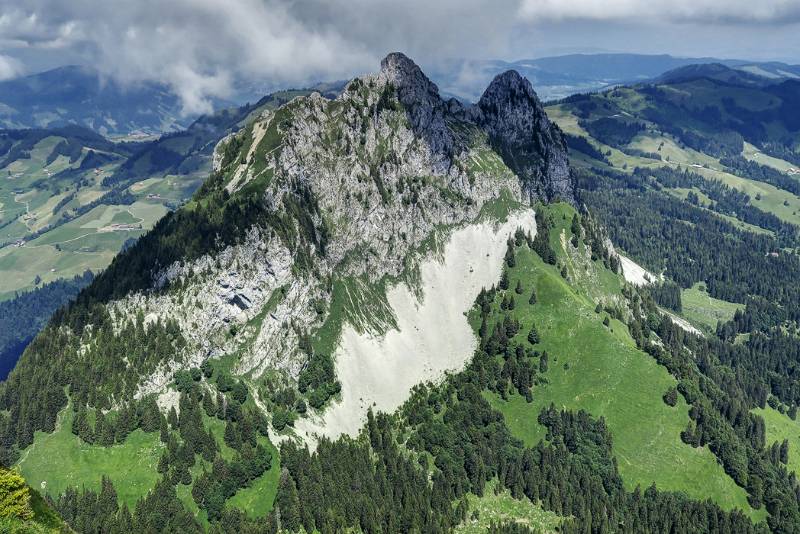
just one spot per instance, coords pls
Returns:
(600, 370)
(780, 427)
(257, 500)
(85, 243)
(61, 459)
(504, 508)
(783, 204)
(82, 246)
(703, 310)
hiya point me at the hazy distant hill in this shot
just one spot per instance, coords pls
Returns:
(559, 76)
(81, 95)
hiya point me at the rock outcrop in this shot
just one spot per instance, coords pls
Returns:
(530, 144)
(316, 209)
(378, 170)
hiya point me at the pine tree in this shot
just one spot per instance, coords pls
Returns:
(532, 300)
(510, 258)
(163, 429)
(107, 500)
(543, 362)
(503, 280)
(671, 397)
(163, 463)
(533, 335)
(518, 290)
(287, 503)
(172, 418)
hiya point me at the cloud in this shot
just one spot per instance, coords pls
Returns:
(779, 12)
(9, 68)
(198, 47)
(202, 48)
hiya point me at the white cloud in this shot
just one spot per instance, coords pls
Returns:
(9, 68)
(202, 47)
(699, 11)
(196, 46)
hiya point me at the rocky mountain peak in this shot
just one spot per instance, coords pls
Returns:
(420, 97)
(531, 145)
(509, 86)
(411, 83)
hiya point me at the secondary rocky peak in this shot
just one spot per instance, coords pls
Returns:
(531, 145)
(509, 85)
(510, 106)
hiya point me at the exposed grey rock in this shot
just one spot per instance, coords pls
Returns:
(376, 173)
(420, 97)
(520, 131)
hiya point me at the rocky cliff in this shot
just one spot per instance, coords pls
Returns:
(313, 212)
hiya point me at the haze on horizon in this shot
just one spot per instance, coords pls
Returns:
(204, 48)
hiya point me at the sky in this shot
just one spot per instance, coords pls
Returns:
(206, 48)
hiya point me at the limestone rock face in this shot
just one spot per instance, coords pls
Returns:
(530, 144)
(420, 97)
(348, 195)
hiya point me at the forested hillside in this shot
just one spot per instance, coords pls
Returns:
(391, 312)
(22, 317)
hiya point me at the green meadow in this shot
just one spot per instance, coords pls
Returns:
(599, 369)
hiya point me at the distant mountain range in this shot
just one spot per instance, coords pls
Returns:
(560, 76)
(81, 95)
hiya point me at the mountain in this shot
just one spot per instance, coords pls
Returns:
(189, 151)
(395, 312)
(270, 251)
(713, 71)
(81, 95)
(560, 76)
(710, 108)
(73, 199)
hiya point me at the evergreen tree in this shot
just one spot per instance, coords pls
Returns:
(533, 335)
(503, 281)
(287, 503)
(671, 397)
(543, 362)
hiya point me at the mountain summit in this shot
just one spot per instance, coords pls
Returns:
(316, 215)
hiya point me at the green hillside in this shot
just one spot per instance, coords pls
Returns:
(598, 368)
(723, 128)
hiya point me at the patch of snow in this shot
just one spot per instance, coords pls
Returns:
(432, 335)
(634, 273)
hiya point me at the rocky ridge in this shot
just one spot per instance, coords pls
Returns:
(353, 193)
(387, 163)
